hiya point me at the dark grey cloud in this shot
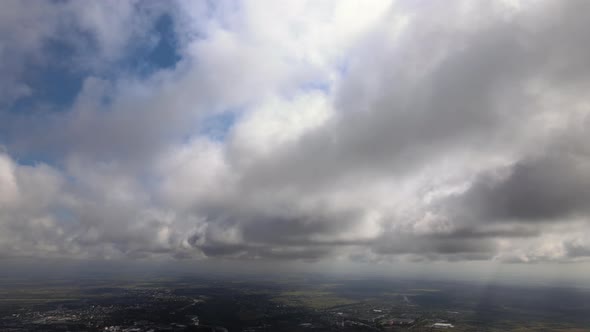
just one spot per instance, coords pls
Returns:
(577, 250)
(553, 188)
(416, 244)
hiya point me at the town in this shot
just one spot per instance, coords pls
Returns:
(287, 305)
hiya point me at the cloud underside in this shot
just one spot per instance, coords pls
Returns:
(300, 131)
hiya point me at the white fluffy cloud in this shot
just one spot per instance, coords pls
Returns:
(364, 131)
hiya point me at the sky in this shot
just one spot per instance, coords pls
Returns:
(359, 133)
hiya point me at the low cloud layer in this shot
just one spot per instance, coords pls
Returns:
(342, 130)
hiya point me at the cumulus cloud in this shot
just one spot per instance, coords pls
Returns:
(369, 131)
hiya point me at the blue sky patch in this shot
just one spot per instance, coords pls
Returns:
(217, 126)
(148, 58)
(57, 81)
(54, 83)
